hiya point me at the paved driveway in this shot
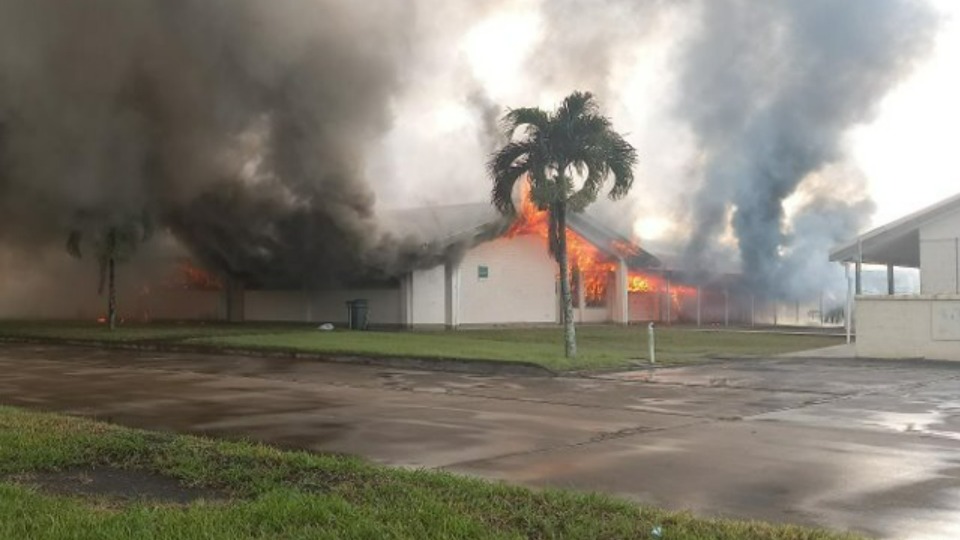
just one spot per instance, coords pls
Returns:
(872, 446)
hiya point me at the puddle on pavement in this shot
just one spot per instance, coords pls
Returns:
(922, 422)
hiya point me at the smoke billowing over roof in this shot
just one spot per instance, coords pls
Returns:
(770, 91)
(262, 134)
(240, 125)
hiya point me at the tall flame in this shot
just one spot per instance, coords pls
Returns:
(592, 265)
(639, 282)
(589, 262)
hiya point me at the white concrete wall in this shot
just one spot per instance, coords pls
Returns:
(385, 306)
(521, 286)
(594, 315)
(275, 305)
(322, 306)
(940, 256)
(644, 306)
(908, 327)
(177, 304)
(428, 296)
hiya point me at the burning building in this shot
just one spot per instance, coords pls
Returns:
(498, 272)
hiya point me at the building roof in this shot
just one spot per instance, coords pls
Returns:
(674, 258)
(896, 243)
(451, 224)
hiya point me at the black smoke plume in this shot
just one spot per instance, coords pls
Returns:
(240, 125)
(770, 90)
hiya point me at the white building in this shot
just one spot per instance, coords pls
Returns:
(925, 325)
(501, 279)
(503, 275)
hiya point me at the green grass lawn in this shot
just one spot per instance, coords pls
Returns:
(600, 346)
(268, 493)
(133, 332)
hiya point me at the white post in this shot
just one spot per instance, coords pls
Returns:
(652, 343)
(753, 309)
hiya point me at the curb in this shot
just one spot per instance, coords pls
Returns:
(441, 364)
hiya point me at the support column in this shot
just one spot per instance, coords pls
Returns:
(891, 286)
(669, 301)
(233, 292)
(858, 271)
(621, 308)
(406, 299)
(451, 286)
(848, 312)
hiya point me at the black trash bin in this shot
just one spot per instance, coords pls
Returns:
(357, 314)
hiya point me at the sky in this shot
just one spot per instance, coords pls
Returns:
(768, 131)
(909, 153)
(904, 157)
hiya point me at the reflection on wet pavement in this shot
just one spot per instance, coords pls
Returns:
(870, 446)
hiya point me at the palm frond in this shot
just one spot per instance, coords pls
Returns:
(533, 118)
(621, 158)
(506, 166)
(576, 105)
(574, 142)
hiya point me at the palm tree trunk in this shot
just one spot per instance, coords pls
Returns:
(111, 295)
(569, 331)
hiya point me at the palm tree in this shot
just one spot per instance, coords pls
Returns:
(114, 242)
(557, 152)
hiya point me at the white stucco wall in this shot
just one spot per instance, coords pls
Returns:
(520, 287)
(593, 315)
(178, 305)
(908, 327)
(939, 257)
(428, 296)
(275, 305)
(644, 307)
(384, 306)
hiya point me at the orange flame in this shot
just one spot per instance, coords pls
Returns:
(594, 268)
(638, 282)
(192, 277)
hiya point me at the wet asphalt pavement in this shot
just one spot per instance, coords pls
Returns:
(872, 446)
